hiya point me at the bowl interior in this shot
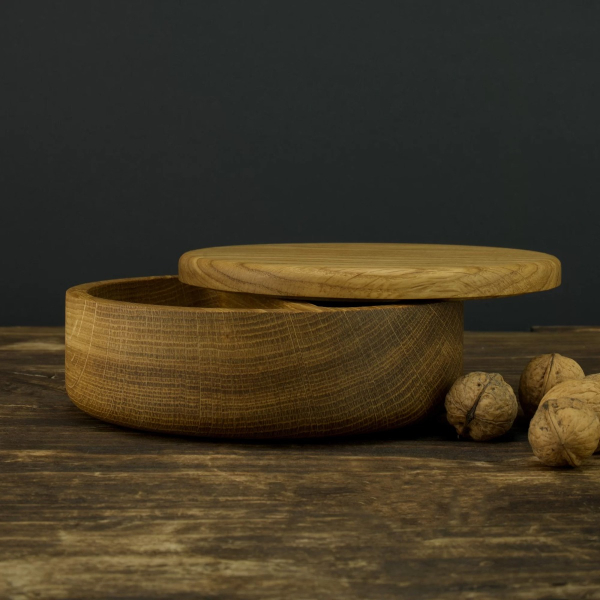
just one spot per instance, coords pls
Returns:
(169, 291)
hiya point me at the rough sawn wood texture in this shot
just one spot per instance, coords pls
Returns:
(91, 510)
(160, 355)
(371, 271)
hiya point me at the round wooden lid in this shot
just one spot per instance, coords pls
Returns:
(371, 271)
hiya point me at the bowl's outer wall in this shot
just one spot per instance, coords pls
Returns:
(259, 373)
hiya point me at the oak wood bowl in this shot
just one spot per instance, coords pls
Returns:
(160, 355)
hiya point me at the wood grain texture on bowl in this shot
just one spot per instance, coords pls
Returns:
(156, 354)
(371, 271)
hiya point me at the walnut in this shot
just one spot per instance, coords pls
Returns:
(587, 390)
(564, 432)
(541, 375)
(481, 406)
(593, 377)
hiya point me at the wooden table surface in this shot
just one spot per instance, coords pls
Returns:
(90, 510)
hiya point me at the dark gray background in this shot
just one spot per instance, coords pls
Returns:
(133, 131)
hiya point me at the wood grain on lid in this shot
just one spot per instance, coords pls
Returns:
(371, 271)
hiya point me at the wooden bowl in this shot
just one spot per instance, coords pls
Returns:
(160, 355)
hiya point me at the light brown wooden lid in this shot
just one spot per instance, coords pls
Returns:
(371, 271)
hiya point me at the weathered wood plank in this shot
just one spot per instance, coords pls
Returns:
(92, 510)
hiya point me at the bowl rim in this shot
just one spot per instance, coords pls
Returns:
(85, 291)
